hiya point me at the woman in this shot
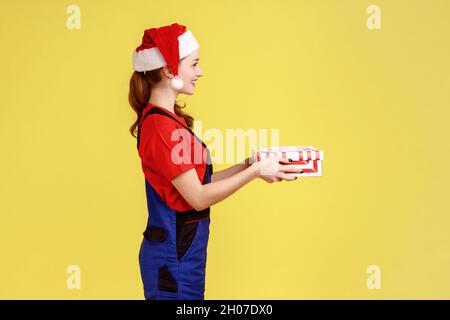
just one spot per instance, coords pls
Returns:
(179, 189)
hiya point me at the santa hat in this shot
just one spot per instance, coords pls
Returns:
(164, 45)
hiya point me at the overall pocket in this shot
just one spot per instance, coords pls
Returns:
(166, 282)
(153, 233)
(185, 236)
(153, 252)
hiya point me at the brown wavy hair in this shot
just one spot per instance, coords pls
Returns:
(140, 90)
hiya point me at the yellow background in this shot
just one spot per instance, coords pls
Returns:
(375, 101)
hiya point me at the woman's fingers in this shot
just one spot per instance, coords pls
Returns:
(287, 176)
(271, 170)
(269, 166)
(288, 168)
(281, 177)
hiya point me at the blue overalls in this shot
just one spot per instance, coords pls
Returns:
(172, 256)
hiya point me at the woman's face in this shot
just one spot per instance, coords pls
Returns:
(189, 71)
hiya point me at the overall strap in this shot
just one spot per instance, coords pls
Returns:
(166, 114)
(190, 216)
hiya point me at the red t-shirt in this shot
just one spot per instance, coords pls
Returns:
(155, 150)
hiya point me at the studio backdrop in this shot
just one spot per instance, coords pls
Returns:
(366, 82)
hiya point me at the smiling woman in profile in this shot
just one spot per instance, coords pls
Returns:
(172, 255)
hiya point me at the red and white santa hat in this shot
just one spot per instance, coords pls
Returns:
(164, 45)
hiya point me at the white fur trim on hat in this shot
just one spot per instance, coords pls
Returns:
(148, 59)
(187, 44)
(151, 59)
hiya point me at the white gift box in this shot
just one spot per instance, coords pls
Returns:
(305, 157)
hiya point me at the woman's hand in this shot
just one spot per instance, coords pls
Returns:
(271, 170)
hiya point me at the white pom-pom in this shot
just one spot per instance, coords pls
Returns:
(177, 83)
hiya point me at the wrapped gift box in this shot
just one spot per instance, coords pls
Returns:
(308, 158)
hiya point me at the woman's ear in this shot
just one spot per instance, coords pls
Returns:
(167, 72)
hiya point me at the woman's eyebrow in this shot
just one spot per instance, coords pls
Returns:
(196, 59)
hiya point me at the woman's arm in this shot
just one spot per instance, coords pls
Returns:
(201, 196)
(228, 172)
